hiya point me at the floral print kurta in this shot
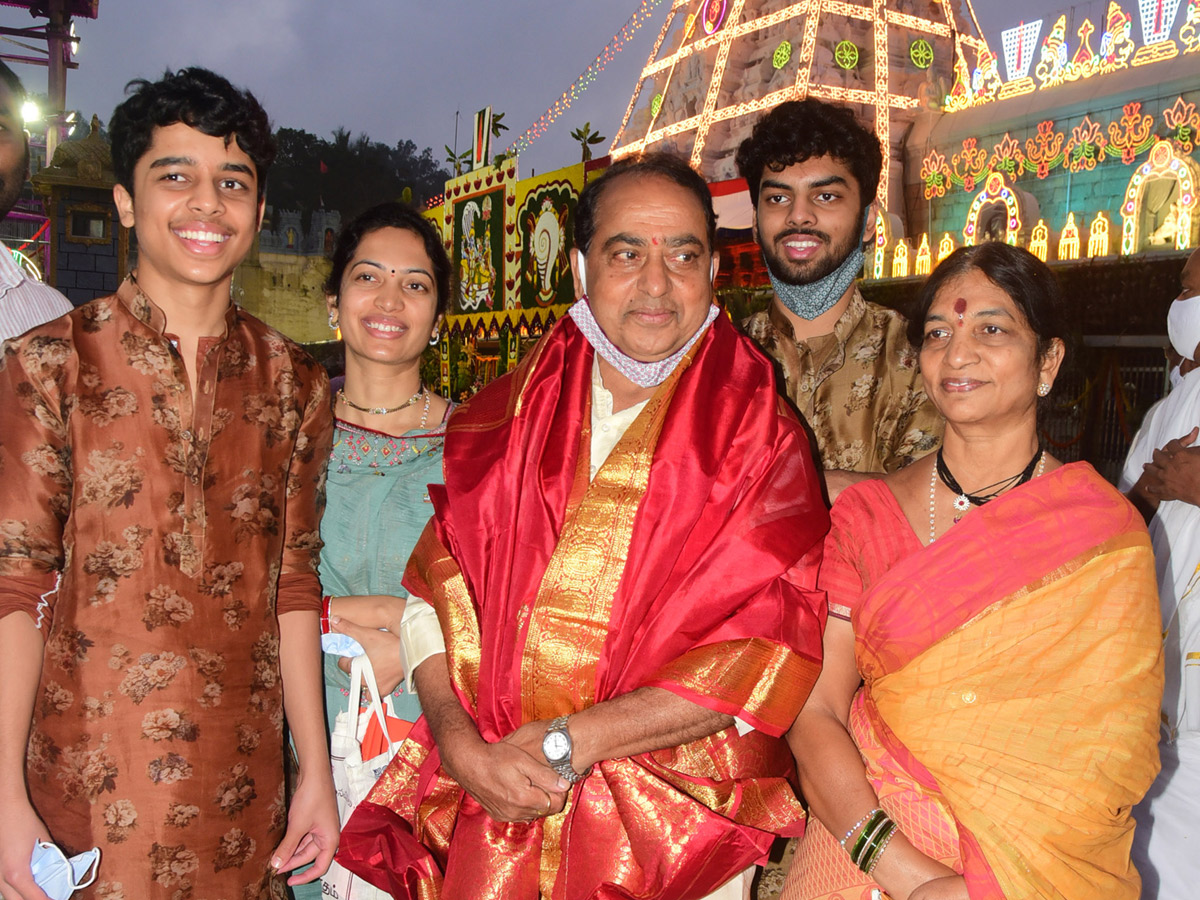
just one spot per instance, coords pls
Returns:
(181, 529)
(859, 388)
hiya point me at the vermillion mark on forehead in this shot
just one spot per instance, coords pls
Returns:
(654, 241)
(960, 307)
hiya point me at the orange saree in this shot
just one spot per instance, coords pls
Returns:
(687, 563)
(1008, 716)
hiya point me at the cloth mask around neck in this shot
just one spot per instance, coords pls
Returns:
(811, 300)
(1183, 325)
(643, 374)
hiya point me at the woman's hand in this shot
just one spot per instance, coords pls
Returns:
(383, 650)
(370, 611)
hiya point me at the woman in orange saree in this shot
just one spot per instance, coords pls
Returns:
(987, 712)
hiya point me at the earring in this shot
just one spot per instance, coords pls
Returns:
(333, 322)
(433, 338)
(1043, 389)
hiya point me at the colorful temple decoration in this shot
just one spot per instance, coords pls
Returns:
(1159, 209)
(1098, 236)
(508, 242)
(1173, 219)
(945, 246)
(996, 197)
(924, 259)
(1039, 240)
(1068, 241)
(900, 259)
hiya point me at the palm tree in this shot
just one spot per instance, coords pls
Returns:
(587, 137)
(498, 124)
(458, 161)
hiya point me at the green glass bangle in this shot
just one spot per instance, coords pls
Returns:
(879, 852)
(872, 826)
(857, 825)
(871, 847)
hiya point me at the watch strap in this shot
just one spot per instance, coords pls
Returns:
(564, 767)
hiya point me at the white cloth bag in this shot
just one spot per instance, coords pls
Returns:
(353, 777)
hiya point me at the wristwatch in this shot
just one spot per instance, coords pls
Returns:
(556, 747)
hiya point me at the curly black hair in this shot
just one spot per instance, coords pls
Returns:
(196, 97)
(799, 130)
(659, 164)
(391, 215)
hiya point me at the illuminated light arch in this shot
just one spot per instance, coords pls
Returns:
(900, 259)
(1163, 162)
(1039, 240)
(923, 256)
(1068, 242)
(945, 246)
(1098, 236)
(994, 191)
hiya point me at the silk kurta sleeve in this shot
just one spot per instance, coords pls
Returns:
(917, 432)
(299, 588)
(35, 477)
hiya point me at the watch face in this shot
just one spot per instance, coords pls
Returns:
(556, 746)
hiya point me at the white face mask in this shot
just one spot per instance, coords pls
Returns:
(1183, 325)
(1175, 377)
(58, 876)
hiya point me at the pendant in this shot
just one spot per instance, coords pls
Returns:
(961, 504)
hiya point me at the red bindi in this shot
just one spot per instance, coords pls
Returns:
(960, 307)
(654, 241)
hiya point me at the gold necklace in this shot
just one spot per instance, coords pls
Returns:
(381, 411)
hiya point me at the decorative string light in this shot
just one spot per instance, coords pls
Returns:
(587, 78)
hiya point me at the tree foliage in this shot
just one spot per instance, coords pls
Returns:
(347, 173)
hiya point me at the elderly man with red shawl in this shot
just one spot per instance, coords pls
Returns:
(620, 619)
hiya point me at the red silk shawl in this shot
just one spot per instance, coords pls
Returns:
(715, 602)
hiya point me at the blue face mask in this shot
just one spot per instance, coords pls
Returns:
(811, 300)
(58, 876)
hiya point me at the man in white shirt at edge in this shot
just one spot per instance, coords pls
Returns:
(710, 631)
(1162, 478)
(24, 302)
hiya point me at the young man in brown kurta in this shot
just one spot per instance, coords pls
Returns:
(161, 471)
(846, 363)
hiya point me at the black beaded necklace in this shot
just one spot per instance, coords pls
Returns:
(963, 501)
